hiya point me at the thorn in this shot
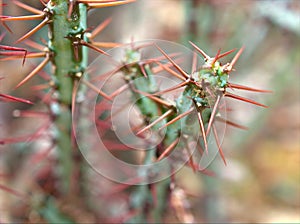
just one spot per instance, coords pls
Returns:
(234, 60)
(213, 114)
(101, 4)
(169, 70)
(34, 30)
(27, 7)
(30, 113)
(82, 42)
(183, 73)
(154, 98)
(191, 161)
(16, 99)
(244, 99)
(219, 146)
(43, 3)
(166, 114)
(202, 131)
(16, 49)
(34, 72)
(231, 123)
(168, 149)
(226, 53)
(11, 191)
(118, 91)
(205, 56)
(194, 63)
(87, 83)
(180, 85)
(142, 67)
(74, 91)
(6, 26)
(17, 56)
(177, 118)
(106, 44)
(71, 6)
(216, 57)
(34, 45)
(237, 86)
(99, 28)
(21, 18)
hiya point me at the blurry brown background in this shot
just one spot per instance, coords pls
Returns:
(261, 182)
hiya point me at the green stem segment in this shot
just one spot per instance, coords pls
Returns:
(64, 31)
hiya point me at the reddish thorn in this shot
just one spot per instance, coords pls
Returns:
(143, 71)
(167, 113)
(93, 47)
(191, 161)
(177, 118)
(27, 7)
(169, 70)
(182, 72)
(231, 123)
(234, 60)
(34, 30)
(11, 191)
(154, 98)
(213, 114)
(216, 57)
(206, 57)
(168, 149)
(219, 146)
(237, 86)
(100, 27)
(16, 99)
(244, 99)
(226, 53)
(87, 83)
(202, 131)
(194, 63)
(34, 72)
(180, 85)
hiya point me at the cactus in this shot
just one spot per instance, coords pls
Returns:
(190, 117)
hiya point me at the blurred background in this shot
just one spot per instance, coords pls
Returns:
(261, 182)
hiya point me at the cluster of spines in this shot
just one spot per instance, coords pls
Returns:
(200, 88)
(211, 65)
(133, 67)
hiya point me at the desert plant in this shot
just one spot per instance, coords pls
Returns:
(188, 118)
